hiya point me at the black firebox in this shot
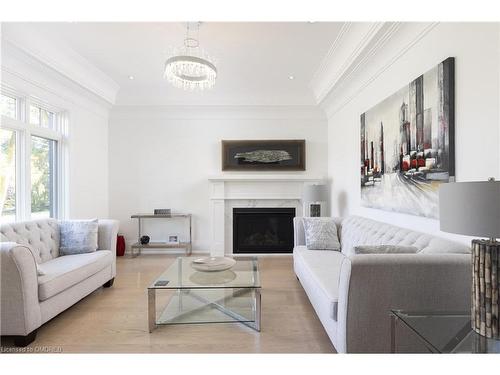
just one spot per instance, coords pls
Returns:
(263, 230)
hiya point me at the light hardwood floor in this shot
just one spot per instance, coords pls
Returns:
(115, 319)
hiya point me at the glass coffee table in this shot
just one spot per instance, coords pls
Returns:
(195, 297)
(442, 332)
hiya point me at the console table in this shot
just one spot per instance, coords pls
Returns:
(161, 245)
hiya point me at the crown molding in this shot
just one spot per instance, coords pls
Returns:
(25, 75)
(328, 60)
(349, 46)
(380, 47)
(220, 112)
(60, 58)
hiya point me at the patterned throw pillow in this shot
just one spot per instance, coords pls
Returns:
(385, 249)
(321, 233)
(78, 236)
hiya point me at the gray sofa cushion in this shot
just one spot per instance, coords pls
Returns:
(66, 271)
(321, 233)
(385, 249)
(78, 236)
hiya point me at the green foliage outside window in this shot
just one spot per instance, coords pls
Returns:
(40, 174)
(7, 172)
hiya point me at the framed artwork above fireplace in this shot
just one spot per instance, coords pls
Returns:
(242, 155)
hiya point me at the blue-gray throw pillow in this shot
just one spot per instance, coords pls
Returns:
(78, 236)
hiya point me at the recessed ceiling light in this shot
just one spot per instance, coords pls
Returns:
(131, 77)
(291, 77)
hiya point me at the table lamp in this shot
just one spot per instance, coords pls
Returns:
(315, 198)
(473, 209)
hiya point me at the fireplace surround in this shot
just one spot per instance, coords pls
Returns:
(231, 191)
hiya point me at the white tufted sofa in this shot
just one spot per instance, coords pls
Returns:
(353, 294)
(28, 300)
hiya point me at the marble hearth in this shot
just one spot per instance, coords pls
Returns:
(233, 191)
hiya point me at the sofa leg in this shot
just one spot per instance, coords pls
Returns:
(22, 341)
(109, 283)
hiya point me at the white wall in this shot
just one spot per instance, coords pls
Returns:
(88, 164)
(87, 151)
(476, 48)
(162, 157)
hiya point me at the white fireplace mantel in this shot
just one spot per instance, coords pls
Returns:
(251, 190)
(264, 178)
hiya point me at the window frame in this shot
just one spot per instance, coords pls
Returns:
(24, 131)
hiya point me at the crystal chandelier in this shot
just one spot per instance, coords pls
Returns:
(190, 67)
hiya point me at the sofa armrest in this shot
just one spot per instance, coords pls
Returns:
(20, 308)
(372, 285)
(106, 237)
(298, 232)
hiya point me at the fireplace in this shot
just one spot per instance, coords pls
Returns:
(263, 230)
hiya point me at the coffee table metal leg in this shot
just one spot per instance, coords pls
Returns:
(151, 309)
(257, 309)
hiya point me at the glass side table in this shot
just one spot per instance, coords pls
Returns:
(442, 332)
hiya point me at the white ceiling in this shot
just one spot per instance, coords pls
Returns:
(254, 60)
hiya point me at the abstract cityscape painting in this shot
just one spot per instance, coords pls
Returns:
(407, 145)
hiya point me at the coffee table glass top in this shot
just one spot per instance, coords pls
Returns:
(181, 275)
(447, 332)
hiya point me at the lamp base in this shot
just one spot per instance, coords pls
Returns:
(485, 288)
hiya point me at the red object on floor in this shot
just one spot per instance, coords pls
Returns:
(120, 245)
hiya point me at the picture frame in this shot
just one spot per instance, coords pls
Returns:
(262, 155)
(314, 210)
(407, 144)
(173, 239)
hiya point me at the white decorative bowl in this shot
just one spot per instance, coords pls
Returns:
(211, 264)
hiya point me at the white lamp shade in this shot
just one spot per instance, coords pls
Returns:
(315, 193)
(470, 208)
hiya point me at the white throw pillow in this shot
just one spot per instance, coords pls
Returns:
(78, 236)
(321, 233)
(385, 249)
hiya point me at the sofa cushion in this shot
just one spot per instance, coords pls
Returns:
(385, 249)
(322, 268)
(66, 271)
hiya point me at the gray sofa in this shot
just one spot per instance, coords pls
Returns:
(28, 300)
(353, 294)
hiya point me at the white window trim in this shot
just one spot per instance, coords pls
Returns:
(24, 130)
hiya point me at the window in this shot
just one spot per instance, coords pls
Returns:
(32, 140)
(7, 175)
(41, 117)
(43, 177)
(8, 106)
